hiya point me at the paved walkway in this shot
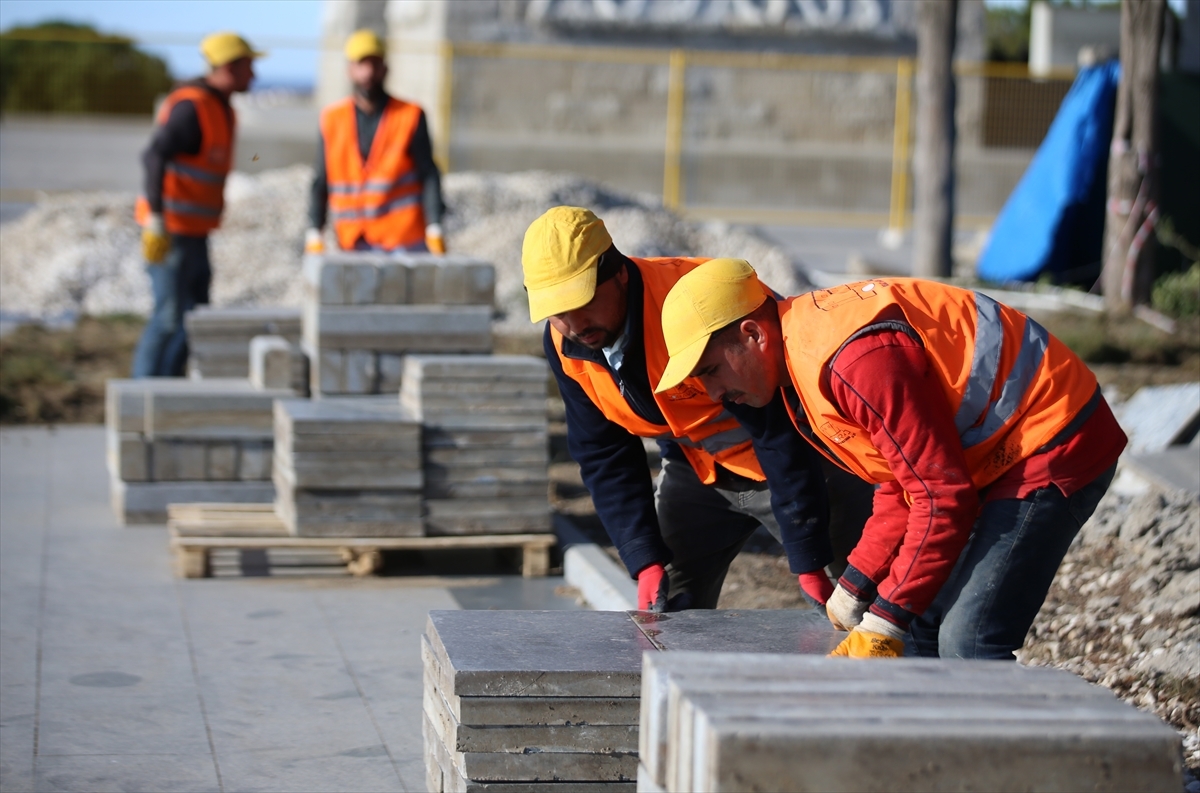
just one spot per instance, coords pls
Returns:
(116, 676)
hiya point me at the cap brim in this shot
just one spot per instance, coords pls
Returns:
(563, 296)
(680, 367)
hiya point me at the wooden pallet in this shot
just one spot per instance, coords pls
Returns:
(197, 529)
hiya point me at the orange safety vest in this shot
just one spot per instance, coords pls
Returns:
(1012, 386)
(379, 200)
(705, 432)
(193, 188)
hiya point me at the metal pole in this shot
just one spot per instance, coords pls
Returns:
(676, 88)
(898, 212)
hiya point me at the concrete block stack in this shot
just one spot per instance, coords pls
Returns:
(364, 312)
(738, 721)
(219, 338)
(348, 467)
(534, 701)
(276, 362)
(174, 440)
(485, 451)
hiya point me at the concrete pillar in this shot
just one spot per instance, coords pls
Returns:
(416, 66)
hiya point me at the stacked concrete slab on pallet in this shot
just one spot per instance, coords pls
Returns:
(549, 700)
(485, 448)
(348, 467)
(219, 338)
(364, 312)
(172, 440)
(738, 721)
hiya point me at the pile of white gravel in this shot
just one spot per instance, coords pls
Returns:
(1124, 609)
(78, 253)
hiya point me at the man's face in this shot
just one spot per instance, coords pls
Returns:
(599, 323)
(241, 74)
(736, 368)
(368, 74)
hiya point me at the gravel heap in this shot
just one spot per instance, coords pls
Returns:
(78, 253)
(1124, 610)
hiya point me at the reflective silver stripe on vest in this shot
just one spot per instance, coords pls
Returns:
(1034, 341)
(718, 442)
(371, 213)
(188, 208)
(198, 174)
(342, 188)
(384, 185)
(989, 340)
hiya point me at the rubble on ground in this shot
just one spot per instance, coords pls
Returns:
(78, 253)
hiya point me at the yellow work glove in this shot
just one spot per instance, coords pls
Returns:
(844, 610)
(433, 238)
(314, 242)
(155, 242)
(874, 637)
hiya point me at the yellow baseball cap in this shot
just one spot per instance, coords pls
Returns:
(716, 293)
(561, 251)
(363, 44)
(222, 48)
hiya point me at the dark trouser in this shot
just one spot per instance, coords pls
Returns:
(180, 284)
(1001, 578)
(707, 525)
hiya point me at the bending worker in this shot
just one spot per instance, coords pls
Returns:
(604, 342)
(990, 441)
(185, 165)
(374, 175)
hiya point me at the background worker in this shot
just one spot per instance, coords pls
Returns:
(374, 172)
(604, 342)
(185, 164)
(990, 441)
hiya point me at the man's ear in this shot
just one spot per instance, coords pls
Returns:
(753, 334)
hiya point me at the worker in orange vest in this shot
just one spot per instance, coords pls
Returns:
(989, 440)
(677, 536)
(374, 175)
(185, 164)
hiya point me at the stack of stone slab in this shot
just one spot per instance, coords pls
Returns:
(739, 721)
(173, 440)
(276, 362)
(348, 467)
(485, 448)
(549, 700)
(364, 312)
(219, 338)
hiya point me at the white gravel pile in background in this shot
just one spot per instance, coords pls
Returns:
(79, 252)
(1124, 610)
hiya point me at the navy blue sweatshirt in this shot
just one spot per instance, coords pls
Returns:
(613, 463)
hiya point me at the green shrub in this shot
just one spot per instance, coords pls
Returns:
(1178, 294)
(60, 67)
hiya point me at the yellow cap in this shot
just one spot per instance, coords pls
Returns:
(222, 48)
(363, 44)
(560, 255)
(705, 300)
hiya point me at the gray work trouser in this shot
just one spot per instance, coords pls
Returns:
(705, 526)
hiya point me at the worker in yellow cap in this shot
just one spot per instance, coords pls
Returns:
(374, 175)
(989, 441)
(186, 162)
(677, 537)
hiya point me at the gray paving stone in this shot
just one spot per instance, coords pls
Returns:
(801, 631)
(222, 461)
(390, 371)
(381, 328)
(1158, 416)
(256, 461)
(359, 372)
(440, 438)
(454, 490)
(496, 523)
(236, 412)
(179, 461)
(361, 283)
(504, 368)
(393, 284)
(128, 456)
(272, 362)
(127, 773)
(347, 417)
(500, 653)
(302, 474)
(146, 502)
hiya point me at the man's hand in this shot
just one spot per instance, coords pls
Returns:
(844, 610)
(155, 242)
(874, 637)
(314, 242)
(816, 585)
(653, 586)
(433, 238)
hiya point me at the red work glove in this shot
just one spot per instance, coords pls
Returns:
(653, 586)
(816, 585)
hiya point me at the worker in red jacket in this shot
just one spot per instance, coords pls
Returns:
(185, 164)
(989, 441)
(374, 176)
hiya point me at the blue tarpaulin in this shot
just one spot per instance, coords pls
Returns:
(1054, 220)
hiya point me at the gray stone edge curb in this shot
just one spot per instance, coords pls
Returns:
(601, 581)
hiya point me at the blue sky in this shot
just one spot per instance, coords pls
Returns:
(289, 29)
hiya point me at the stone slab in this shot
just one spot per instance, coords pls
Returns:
(538, 653)
(1157, 417)
(302, 474)
(605, 585)
(494, 523)
(272, 362)
(128, 456)
(509, 368)
(465, 329)
(257, 461)
(462, 475)
(1174, 468)
(470, 458)
(802, 631)
(486, 490)
(179, 461)
(241, 412)
(146, 502)
(346, 416)
(440, 438)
